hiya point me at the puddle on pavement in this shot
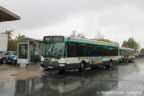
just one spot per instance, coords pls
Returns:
(12, 72)
(90, 83)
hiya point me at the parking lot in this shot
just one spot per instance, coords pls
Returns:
(14, 72)
(122, 80)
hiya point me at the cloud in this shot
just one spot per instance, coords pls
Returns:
(117, 19)
(41, 13)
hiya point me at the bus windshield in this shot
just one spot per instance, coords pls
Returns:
(55, 50)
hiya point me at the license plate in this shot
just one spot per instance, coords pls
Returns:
(50, 67)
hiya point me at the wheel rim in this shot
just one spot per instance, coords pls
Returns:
(82, 67)
(110, 65)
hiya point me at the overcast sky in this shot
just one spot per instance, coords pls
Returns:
(116, 19)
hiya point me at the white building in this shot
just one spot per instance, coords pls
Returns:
(6, 15)
(3, 42)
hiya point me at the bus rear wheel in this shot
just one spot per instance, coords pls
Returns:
(109, 66)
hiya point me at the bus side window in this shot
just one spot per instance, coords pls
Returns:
(68, 50)
(81, 50)
(105, 51)
(65, 50)
(98, 51)
(95, 51)
(72, 50)
(87, 51)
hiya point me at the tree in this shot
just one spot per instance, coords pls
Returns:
(125, 44)
(9, 33)
(136, 47)
(81, 35)
(142, 50)
(20, 37)
(15, 41)
(131, 43)
(12, 43)
(99, 35)
(75, 34)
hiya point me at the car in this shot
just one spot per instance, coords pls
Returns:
(1, 52)
(7, 57)
(141, 55)
(12, 57)
(3, 57)
(137, 55)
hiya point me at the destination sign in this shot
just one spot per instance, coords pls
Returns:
(54, 38)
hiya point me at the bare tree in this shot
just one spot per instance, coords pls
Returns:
(73, 34)
(9, 33)
(81, 35)
(99, 35)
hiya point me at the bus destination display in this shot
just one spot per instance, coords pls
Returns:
(54, 38)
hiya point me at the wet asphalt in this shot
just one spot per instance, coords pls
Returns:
(121, 80)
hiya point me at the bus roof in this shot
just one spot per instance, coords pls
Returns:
(126, 48)
(88, 41)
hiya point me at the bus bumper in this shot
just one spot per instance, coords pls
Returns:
(53, 65)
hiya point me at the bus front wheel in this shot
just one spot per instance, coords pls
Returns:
(82, 67)
(62, 71)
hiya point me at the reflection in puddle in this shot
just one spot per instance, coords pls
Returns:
(72, 84)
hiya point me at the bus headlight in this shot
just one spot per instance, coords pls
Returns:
(62, 65)
(62, 60)
(42, 58)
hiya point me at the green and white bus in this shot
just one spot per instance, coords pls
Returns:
(126, 55)
(63, 53)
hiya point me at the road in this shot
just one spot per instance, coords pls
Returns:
(122, 80)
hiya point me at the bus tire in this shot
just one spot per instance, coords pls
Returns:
(133, 60)
(82, 67)
(120, 61)
(93, 68)
(109, 66)
(129, 61)
(123, 61)
(61, 71)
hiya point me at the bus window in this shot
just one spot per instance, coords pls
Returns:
(105, 51)
(82, 50)
(72, 50)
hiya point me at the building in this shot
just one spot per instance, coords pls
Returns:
(3, 42)
(6, 15)
(29, 51)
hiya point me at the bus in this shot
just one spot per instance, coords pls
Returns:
(63, 53)
(126, 55)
